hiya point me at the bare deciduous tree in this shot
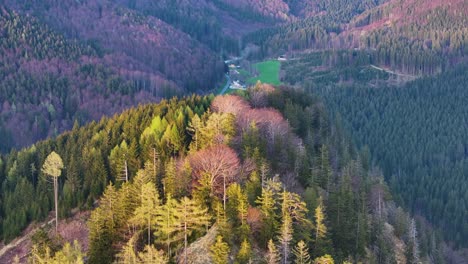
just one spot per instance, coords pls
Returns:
(220, 163)
(230, 104)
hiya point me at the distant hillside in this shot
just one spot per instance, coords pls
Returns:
(82, 60)
(396, 75)
(413, 37)
(85, 59)
(292, 10)
(155, 45)
(123, 58)
(172, 47)
(47, 81)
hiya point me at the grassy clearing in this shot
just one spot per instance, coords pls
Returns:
(268, 72)
(244, 74)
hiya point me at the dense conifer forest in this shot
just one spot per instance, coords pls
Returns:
(112, 149)
(227, 165)
(401, 36)
(48, 82)
(425, 123)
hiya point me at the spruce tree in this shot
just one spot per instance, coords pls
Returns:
(184, 180)
(118, 162)
(321, 240)
(245, 253)
(190, 217)
(169, 181)
(145, 214)
(267, 203)
(236, 210)
(194, 128)
(323, 169)
(325, 259)
(272, 256)
(167, 223)
(220, 251)
(301, 253)
(104, 224)
(150, 255)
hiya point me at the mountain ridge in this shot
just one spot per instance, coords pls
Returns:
(102, 146)
(64, 65)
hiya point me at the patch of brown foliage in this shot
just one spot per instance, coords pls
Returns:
(254, 219)
(269, 120)
(258, 96)
(230, 104)
(218, 162)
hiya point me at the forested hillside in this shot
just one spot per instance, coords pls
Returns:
(152, 44)
(47, 82)
(337, 68)
(86, 59)
(416, 37)
(417, 134)
(115, 51)
(265, 188)
(87, 164)
(414, 125)
(263, 176)
(198, 19)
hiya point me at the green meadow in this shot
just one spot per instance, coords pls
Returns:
(268, 72)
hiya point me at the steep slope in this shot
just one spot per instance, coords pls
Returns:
(341, 10)
(417, 134)
(88, 173)
(414, 128)
(275, 9)
(267, 176)
(292, 10)
(119, 60)
(198, 18)
(216, 23)
(154, 44)
(47, 82)
(412, 37)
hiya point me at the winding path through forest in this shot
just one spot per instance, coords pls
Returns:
(392, 72)
(16, 242)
